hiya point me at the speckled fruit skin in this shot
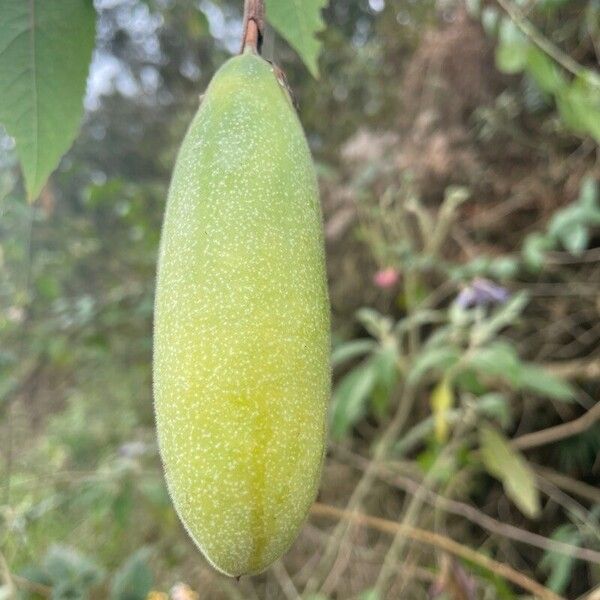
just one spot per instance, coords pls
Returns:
(241, 340)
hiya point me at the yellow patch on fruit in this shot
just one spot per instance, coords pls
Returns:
(241, 333)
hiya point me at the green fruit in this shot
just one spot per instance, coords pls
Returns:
(241, 339)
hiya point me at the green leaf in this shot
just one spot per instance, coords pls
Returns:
(350, 350)
(374, 322)
(133, 581)
(541, 382)
(437, 466)
(441, 358)
(385, 363)
(489, 19)
(503, 316)
(579, 105)
(298, 22)
(499, 359)
(418, 433)
(123, 505)
(575, 240)
(506, 464)
(467, 380)
(570, 226)
(544, 71)
(71, 573)
(588, 194)
(350, 397)
(558, 564)
(36, 574)
(45, 50)
(495, 406)
(534, 250)
(503, 267)
(513, 48)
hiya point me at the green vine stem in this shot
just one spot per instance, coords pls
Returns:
(564, 60)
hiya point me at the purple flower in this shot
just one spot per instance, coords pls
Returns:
(481, 292)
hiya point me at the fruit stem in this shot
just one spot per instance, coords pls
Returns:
(254, 25)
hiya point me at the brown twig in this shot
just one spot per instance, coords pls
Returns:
(285, 582)
(579, 515)
(439, 541)
(328, 568)
(559, 432)
(474, 515)
(575, 369)
(543, 43)
(254, 25)
(413, 510)
(579, 488)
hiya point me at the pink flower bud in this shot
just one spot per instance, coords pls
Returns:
(386, 278)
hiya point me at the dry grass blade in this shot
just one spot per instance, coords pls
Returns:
(439, 541)
(328, 565)
(474, 515)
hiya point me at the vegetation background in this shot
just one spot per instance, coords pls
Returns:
(457, 149)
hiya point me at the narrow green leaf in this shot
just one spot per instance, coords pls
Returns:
(374, 322)
(133, 581)
(534, 250)
(502, 317)
(588, 194)
(539, 381)
(579, 106)
(423, 429)
(558, 565)
(513, 47)
(506, 464)
(298, 22)
(441, 358)
(350, 350)
(544, 71)
(570, 227)
(71, 574)
(500, 360)
(489, 19)
(503, 267)
(350, 398)
(576, 239)
(385, 364)
(45, 51)
(494, 406)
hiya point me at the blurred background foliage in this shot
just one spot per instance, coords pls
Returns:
(457, 150)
